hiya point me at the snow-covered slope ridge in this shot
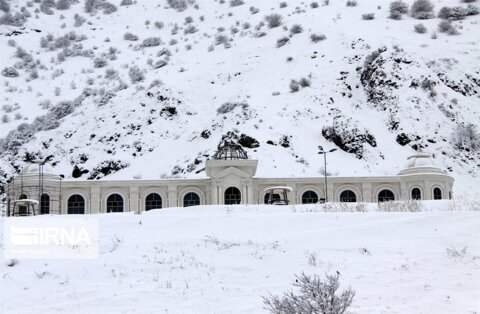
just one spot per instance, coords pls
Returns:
(145, 90)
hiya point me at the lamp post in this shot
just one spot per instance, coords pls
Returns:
(324, 153)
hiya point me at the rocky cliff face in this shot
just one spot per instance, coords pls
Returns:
(148, 89)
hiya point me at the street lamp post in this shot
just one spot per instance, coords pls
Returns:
(324, 153)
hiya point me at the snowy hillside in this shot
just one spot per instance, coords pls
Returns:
(220, 259)
(145, 90)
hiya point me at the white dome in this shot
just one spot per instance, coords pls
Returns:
(32, 169)
(420, 163)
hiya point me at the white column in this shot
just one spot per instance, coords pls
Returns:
(367, 192)
(95, 203)
(134, 197)
(404, 195)
(172, 196)
(244, 194)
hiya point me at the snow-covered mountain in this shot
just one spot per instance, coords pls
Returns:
(147, 89)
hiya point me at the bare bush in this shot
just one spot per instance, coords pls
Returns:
(62, 4)
(273, 20)
(151, 42)
(236, 3)
(351, 3)
(422, 9)
(180, 5)
(368, 16)
(229, 107)
(130, 36)
(400, 206)
(466, 137)
(99, 62)
(317, 37)
(472, 9)
(136, 75)
(315, 296)
(4, 6)
(446, 26)
(454, 13)
(304, 82)
(159, 24)
(397, 8)
(9, 72)
(420, 28)
(294, 86)
(296, 29)
(78, 20)
(254, 10)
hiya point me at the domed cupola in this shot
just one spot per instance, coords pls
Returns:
(229, 150)
(420, 164)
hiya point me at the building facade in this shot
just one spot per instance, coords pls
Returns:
(228, 181)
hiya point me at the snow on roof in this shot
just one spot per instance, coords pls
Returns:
(289, 189)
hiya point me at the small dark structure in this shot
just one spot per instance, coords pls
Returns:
(229, 150)
(24, 207)
(277, 195)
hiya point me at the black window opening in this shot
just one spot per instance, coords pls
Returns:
(153, 201)
(22, 210)
(275, 198)
(437, 194)
(386, 196)
(348, 196)
(44, 204)
(76, 204)
(232, 196)
(115, 203)
(416, 194)
(309, 197)
(191, 199)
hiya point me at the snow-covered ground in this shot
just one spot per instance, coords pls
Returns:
(221, 259)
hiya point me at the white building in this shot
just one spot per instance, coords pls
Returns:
(230, 180)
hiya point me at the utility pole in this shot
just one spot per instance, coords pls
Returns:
(324, 153)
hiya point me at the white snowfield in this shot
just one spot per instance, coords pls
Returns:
(223, 259)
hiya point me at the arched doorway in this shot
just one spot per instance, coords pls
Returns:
(153, 201)
(44, 204)
(191, 199)
(386, 196)
(114, 203)
(348, 196)
(76, 204)
(437, 194)
(416, 194)
(233, 196)
(309, 197)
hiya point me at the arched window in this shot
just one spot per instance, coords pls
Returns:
(115, 203)
(416, 194)
(76, 204)
(348, 196)
(232, 196)
(191, 199)
(309, 197)
(45, 204)
(153, 201)
(386, 196)
(437, 194)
